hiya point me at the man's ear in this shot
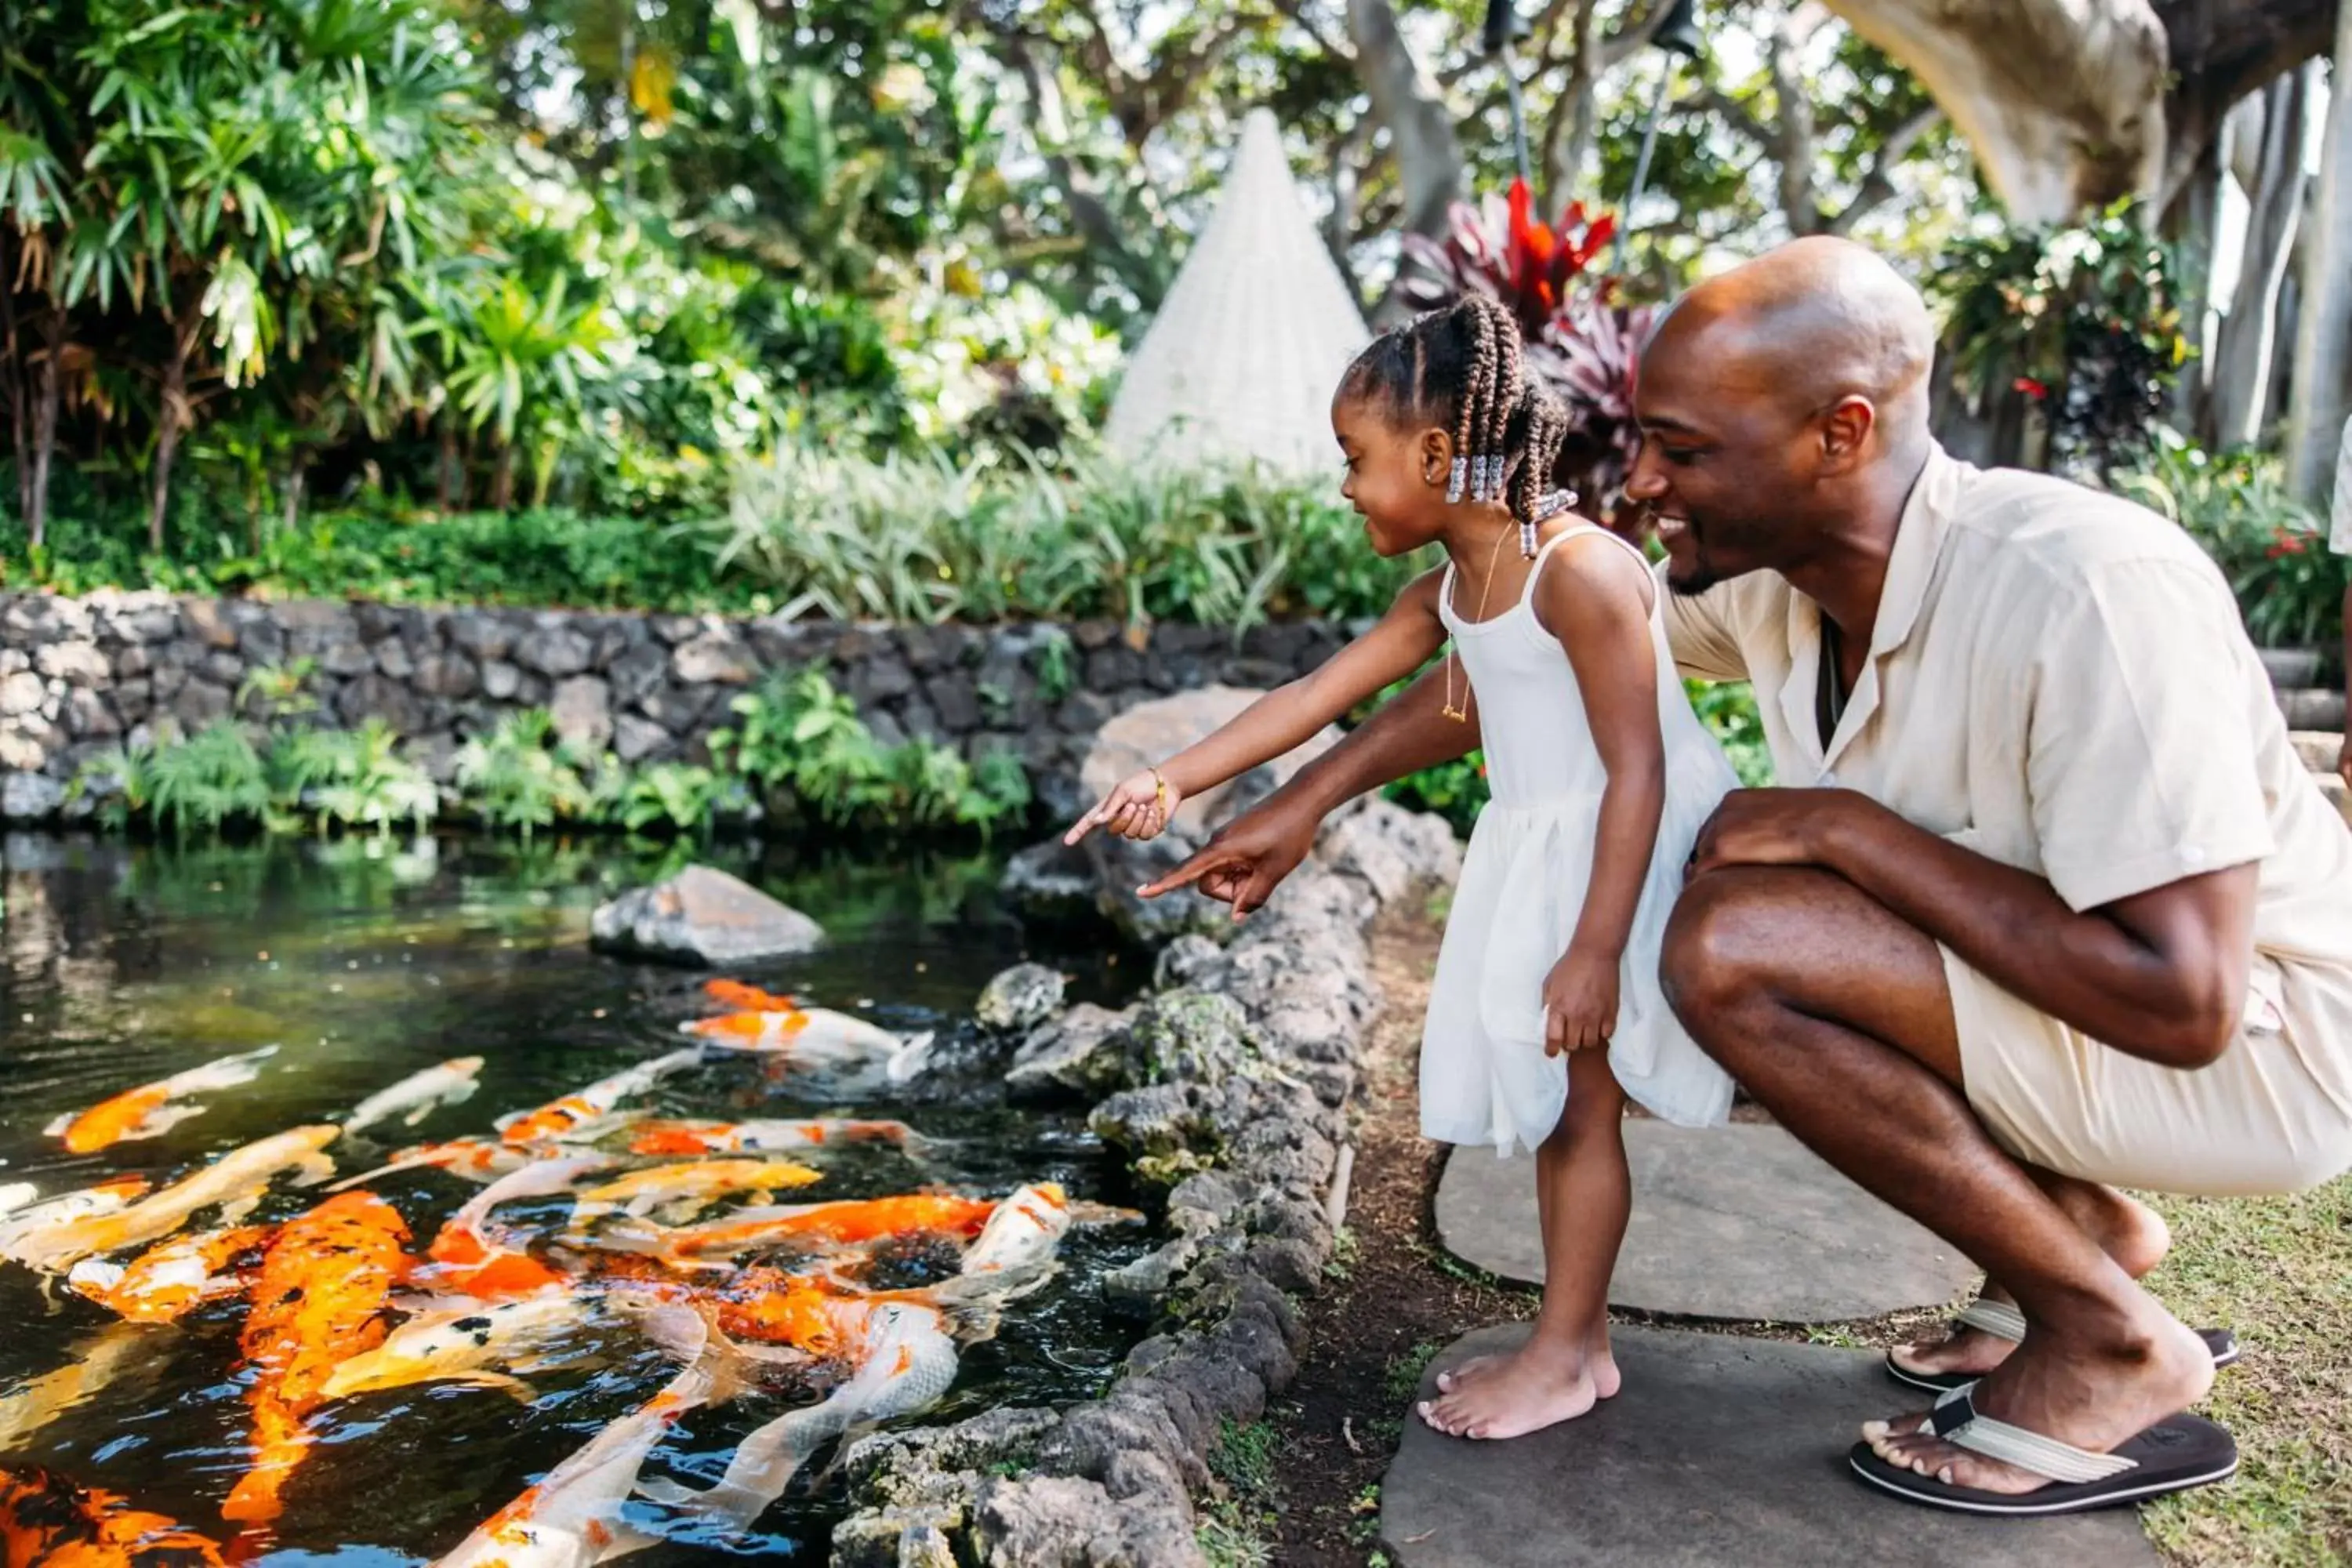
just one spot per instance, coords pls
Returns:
(1845, 434)
(1437, 455)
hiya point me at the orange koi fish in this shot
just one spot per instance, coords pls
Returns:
(850, 1222)
(324, 1285)
(746, 998)
(147, 1111)
(473, 1262)
(563, 1118)
(164, 1282)
(235, 1182)
(770, 1137)
(22, 1233)
(47, 1521)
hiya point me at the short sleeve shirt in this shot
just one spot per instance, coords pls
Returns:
(2059, 679)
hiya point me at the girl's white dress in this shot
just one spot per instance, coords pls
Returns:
(1483, 1074)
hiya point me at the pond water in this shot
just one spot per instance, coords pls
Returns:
(362, 962)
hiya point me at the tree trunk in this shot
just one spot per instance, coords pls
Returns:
(47, 392)
(12, 362)
(502, 478)
(2323, 349)
(1568, 134)
(448, 475)
(173, 414)
(1429, 161)
(2220, 51)
(2189, 225)
(295, 482)
(2242, 349)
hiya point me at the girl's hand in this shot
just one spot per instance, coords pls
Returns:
(1579, 1003)
(1139, 809)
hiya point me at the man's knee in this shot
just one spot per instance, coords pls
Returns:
(1717, 956)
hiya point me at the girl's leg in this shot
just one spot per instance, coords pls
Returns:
(1584, 1194)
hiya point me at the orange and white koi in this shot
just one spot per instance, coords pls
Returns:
(565, 1119)
(415, 1097)
(849, 1222)
(570, 1517)
(690, 1186)
(16, 1196)
(22, 1231)
(475, 1159)
(463, 1341)
(471, 1261)
(742, 998)
(816, 1038)
(320, 1301)
(770, 1137)
(904, 1359)
(235, 1182)
(1014, 1252)
(147, 1111)
(47, 1521)
(163, 1283)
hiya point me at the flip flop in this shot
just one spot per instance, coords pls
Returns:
(2004, 1321)
(2176, 1454)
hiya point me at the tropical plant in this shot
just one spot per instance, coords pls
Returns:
(352, 778)
(2082, 324)
(678, 798)
(1576, 337)
(524, 775)
(203, 784)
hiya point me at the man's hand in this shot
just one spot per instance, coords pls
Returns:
(1245, 860)
(1773, 827)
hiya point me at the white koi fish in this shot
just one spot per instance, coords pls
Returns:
(16, 1196)
(21, 1230)
(687, 1186)
(418, 1094)
(563, 1120)
(463, 1341)
(235, 1182)
(571, 1517)
(147, 1111)
(163, 1283)
(817, 1040)
(905, 1360)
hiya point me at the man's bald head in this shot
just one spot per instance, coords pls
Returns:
(1784, 408)
(1803, 326)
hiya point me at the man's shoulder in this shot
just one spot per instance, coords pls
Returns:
(2032, 530)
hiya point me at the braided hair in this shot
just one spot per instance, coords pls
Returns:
(1460, 367)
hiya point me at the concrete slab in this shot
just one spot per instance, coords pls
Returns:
(1740, 1222)
(1720, 1451)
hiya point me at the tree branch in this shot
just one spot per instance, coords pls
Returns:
(1878, 185)
(1296, 11)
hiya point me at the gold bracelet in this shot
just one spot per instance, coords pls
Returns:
(1159, 797)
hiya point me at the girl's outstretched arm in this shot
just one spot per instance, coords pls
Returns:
(1596, 600)
(1282, 719)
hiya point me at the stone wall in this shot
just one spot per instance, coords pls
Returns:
(77, 676)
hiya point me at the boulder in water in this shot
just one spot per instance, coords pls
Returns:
(1021, 997)
(701, 917)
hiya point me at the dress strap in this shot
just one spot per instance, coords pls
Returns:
(1577, 530)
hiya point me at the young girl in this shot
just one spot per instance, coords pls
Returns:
(1546, 1011)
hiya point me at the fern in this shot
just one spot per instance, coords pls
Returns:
(522, 776)
(354, 778)
(207, 782)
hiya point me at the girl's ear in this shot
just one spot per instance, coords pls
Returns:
(1437, 455)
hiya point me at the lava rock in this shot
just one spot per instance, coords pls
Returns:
(701, 916)
(30, 797)
(1083, 1054)
(1051, 883)
(1021, 997)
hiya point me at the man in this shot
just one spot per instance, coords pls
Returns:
(2057, 909)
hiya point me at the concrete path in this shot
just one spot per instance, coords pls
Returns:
(1739, 1222)
(1720, 1453)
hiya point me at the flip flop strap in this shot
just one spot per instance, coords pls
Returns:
(1955, 1420)
(1998, 1318)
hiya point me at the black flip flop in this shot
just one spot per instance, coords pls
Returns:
(2176, 1454)
(2220, 1342)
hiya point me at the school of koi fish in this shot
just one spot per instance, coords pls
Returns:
(671, 1232)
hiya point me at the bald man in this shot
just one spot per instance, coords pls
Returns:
(2050, 908)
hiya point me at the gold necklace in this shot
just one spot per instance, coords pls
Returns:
(1460, 715)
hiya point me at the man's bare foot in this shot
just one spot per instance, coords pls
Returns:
(2127, 1230)
(2094, 1397)
(1538, 1386)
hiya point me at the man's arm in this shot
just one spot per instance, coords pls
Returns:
(1246, 859)
(2160, 976)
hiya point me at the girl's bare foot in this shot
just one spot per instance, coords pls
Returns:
(2127, 1230)
(1541, 1384)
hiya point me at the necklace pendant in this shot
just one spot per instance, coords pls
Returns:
(1459, 715)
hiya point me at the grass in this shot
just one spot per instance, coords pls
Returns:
(2279, 1272)
(1238, 1526)
(1405, 1373)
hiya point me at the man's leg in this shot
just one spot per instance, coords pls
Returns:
(1837, 1018)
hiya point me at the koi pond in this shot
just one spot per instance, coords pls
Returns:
(219, 1387)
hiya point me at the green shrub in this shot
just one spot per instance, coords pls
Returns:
(523, 776)
(352, 778)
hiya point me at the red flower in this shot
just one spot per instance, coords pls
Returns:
(2283, 544)
(2031, 387)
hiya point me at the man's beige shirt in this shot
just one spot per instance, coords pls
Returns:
(2059, 681)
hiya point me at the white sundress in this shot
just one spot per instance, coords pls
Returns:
(1483, 1074)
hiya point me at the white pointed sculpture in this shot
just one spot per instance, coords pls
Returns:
(1240, 361)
